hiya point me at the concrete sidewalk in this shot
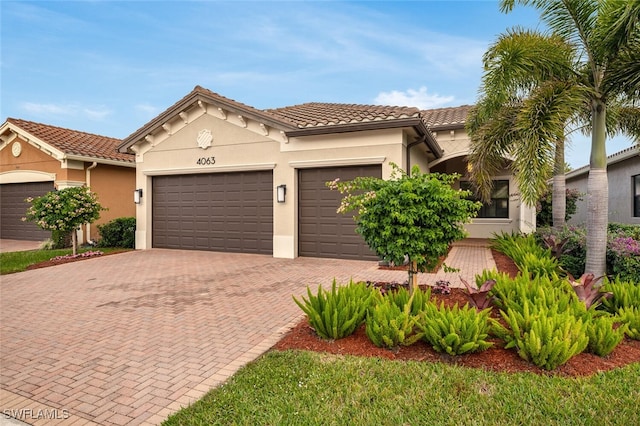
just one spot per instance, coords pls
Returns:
(18, 245)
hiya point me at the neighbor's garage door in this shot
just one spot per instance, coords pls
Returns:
(322, 231)
(13, 209)
(216, 211)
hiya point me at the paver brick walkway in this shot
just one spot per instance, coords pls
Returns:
(131, 338)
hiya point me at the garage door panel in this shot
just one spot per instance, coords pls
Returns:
(215, 211)
(322, 231)
(13, 208)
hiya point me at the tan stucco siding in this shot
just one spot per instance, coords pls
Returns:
(31, 158)
(114, 187)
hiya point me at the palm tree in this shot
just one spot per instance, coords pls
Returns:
(537, 84)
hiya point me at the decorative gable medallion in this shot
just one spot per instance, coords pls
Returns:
(16, 149)
(205, 138)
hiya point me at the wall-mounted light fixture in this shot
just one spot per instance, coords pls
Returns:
(137, 196)
(281, 192)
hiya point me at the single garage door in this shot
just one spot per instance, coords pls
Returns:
(322, 231)
(13, 209)
(230, 212)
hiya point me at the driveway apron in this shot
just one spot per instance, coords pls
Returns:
(131, 338)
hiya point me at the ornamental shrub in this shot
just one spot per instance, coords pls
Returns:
(623, 258)
(630, 316)
(455, 330)
(120, 232)
(416, 215)
(417, 299)
(546, 337)
(389, 325)
(624, 294)
(544, 207)
(64, 210)
(603, 335)
(337, 313)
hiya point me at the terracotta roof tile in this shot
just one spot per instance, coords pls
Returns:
(75, 142)
(316, 114)
(441, 117)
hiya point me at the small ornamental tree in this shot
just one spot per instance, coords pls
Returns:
(64, 210)
(415, 215)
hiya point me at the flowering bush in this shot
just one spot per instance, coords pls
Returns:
(623, 250)
(623, 258)
(64, 210)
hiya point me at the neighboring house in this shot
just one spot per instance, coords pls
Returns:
(623, 174)
(37, 158)
(215, 174)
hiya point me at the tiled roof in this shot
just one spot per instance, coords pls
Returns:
(630, 152)
(316, 114)
(73, 142)
(446, 117)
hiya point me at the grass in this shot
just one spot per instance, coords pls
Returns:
(18, 261)
(308, 388)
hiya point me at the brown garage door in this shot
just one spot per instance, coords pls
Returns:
(323, 232)
(216, 211)
(13, 209)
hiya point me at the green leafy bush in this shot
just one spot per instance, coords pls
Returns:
(545, 337)
(338, 313)
(120, 232)
(455, 330)
(551, 293)
(526, 253)
(544, 208)
(388, 325)
(623, 295)
(603, 335)
(630, 316)
(418, 298)
(411, 214)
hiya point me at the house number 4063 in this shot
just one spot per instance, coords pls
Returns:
(206, 161)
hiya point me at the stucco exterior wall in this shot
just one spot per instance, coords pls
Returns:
(246, 148)
(455, 144)
(620, 204)
(113, 184)
(114, 187)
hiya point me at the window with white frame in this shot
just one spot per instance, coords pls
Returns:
(636, 195)
(498, 206)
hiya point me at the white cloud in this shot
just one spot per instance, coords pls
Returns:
(147, 109)
(415, 98)
(47, 108)
(94, 113)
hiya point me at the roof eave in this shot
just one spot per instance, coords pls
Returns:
(415, 123)
(107, 161)
(188, 102)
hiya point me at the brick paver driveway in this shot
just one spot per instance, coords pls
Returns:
(132, 337)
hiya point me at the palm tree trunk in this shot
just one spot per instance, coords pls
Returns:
(559, 194)
(597, 194)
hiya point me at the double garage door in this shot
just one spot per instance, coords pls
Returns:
(230, 212)
(13, 208)
(233, 212)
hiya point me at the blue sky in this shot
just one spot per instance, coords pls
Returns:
(108, 67)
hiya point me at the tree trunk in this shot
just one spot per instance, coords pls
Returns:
(559, 194)
(74, 241)
(413, 276)
(597, 195)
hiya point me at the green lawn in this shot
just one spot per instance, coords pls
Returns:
(18, 261)
(308, 388)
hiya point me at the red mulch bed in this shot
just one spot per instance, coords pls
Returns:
(496, 358)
